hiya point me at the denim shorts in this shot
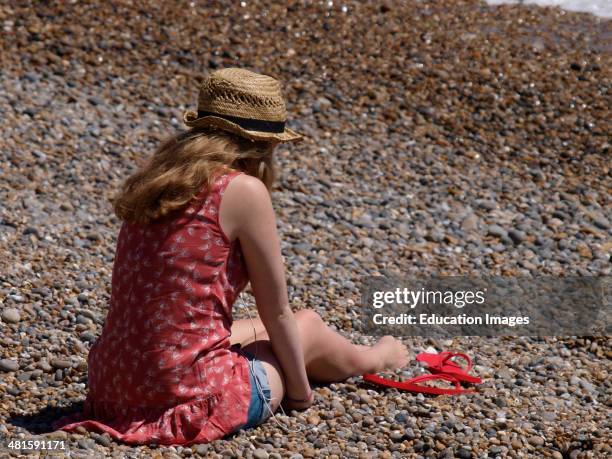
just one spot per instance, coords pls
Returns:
(258, 407)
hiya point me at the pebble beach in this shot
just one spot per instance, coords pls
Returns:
(443, 138)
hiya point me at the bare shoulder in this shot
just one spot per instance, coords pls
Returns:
(245, 190)
(245, 201)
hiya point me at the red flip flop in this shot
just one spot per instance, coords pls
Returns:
(442, 364)
(411, 385)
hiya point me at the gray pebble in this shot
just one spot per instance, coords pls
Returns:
(11, 315)
(61, 363)
(488, 205)
(260, 453)
(88, 336)
(103, 440)
(470, 223)
(24, 376)
(201, 449)
(44, 366)
(497, 231)
(9, 365)
(86, 443)
(601, 222)
(83, 320)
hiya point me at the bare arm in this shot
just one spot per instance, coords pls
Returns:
(246, 213)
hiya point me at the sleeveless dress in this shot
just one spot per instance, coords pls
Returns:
(162, 370)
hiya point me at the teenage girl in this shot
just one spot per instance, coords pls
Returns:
(171, 366)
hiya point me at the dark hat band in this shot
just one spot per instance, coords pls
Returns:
(249, 124)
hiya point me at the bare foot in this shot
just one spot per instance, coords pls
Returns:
(392, 353)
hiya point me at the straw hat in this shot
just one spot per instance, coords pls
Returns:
(245, 103)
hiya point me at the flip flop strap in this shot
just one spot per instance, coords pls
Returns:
(412, 383)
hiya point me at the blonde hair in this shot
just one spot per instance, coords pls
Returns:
(182, 166)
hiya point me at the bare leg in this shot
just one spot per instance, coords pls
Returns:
(328, 355)
(339, 358)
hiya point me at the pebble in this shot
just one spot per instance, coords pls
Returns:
(498, 231)
(516, 236)
(9, 365)
(536, 440)
(601, 222)
(201, 449)
(103, 440)
(11, 315)
(57, 435)
(470, 223)
(44, 366)
(86, 443)
(88, 336)
(260, 454)
(487, 204)
(409, 434)
(60, 363)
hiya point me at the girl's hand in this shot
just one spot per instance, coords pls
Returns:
(299, 405)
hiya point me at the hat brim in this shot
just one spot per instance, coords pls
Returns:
(190, 118)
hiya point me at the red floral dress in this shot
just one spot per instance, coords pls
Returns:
(162, 370)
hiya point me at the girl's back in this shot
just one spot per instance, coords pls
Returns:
(164, 351)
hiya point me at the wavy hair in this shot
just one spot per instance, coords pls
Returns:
(182, 165)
